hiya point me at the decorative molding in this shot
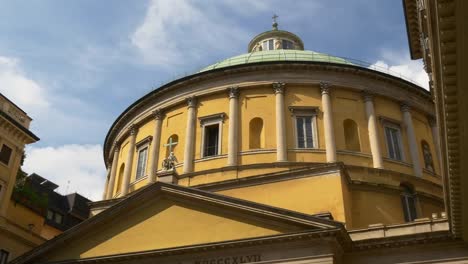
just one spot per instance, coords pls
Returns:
(391, 121)
(301, 110)
(233, 92)
(212, 118)
(325, 88)
(146, 140)
(278, 87)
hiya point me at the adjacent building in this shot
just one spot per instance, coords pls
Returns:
(14, 136)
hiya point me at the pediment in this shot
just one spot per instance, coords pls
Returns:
(164, 216)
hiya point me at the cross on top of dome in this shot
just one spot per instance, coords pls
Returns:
(275, 23)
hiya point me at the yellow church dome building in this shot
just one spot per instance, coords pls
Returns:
(279, 155)
(288, 128)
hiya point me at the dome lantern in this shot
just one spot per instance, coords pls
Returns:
(275, 39)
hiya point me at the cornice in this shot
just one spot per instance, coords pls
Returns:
(150, 101)
(337, 234)
(404, 241)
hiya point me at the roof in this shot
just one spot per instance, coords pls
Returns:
(151, 193)
(277, 55)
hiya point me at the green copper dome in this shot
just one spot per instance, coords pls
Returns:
(277, 55)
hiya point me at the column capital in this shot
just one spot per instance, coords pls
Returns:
(116, 146)
(432, 120)
(405, 107)
(367, 95)
(191, 102)
(133, 129)
(278, 87)
(325, 87)
(158, 114)
(233, 92)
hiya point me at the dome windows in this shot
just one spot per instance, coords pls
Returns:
(275, 44)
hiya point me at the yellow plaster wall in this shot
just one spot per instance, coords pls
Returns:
(373, 207)
(23, 216)
(209, 105)
(257, 102)
(300, 95)
(392, 110)
(13, 245)
(310, 195)
(143, 132)
(49, 232)
(165, 224)
(348, 104)
(174, 122)
(423, 131)
(260, 102)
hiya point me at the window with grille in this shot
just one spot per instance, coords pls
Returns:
(305, 131)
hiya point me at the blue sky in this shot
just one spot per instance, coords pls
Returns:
(74, 66)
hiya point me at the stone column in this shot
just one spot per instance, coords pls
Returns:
(190, 134)
(106, 185)
(129, 164)
(373, 131)
(113, 172)
(233, 143)
(153, 163)
(281, 145)
(413, 145)
(435, 139)
(330, 145)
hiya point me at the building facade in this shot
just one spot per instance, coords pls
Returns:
(280, 155)
(14, 136)
(438, 33)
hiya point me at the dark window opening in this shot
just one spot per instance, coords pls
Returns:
(5, 154)
(211, 144)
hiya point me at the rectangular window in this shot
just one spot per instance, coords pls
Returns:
(3, 256)
(271, 45)
(50, 214)
(141, 166)
(305, 131)
(287, 44)
(393, 137)
(58, 218)
(409, 208)
(211, 140)
(5, 154)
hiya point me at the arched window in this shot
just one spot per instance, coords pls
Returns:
(256, 134)
(120, 177)
(428, 162)
(351, 135)
(408, 201)
(171, 144)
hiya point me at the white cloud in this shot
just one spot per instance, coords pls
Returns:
(180, 31)
(75, 168)
(16, 85)
(401, 65)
